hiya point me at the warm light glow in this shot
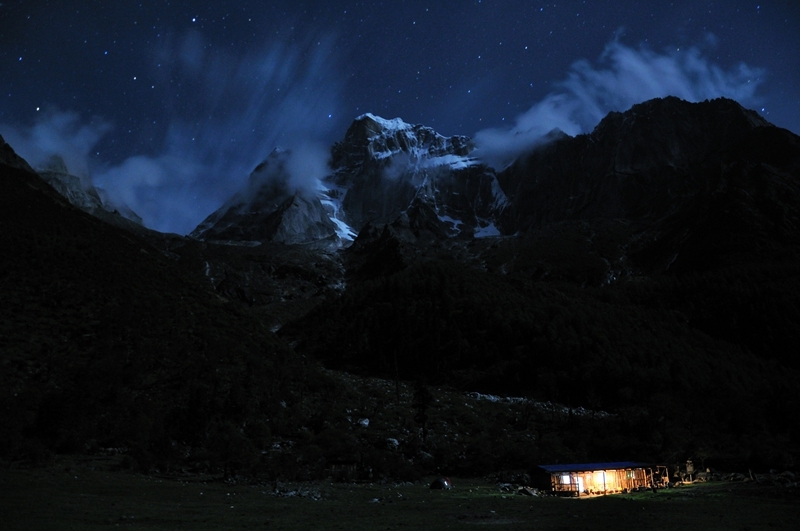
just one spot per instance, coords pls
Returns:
(600, 481)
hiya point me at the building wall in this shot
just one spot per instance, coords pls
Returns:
(598, 481)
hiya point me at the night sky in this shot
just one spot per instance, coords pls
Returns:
(170, 105)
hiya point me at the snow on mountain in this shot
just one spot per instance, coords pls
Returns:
(83, 194)
(278, 205)
(423, 146)
(487, 231)
(380, 168)
(331, 200)
(385, 165)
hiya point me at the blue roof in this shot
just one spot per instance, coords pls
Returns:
(586, 467)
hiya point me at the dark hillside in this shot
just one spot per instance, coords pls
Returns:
(652, 285)
(656, 269)
(106, 342)
(653, 161)
(669, 352)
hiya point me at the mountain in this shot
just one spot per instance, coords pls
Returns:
(113, 345)
(381, 170)
(107, 341)
(649, 267)
(85, 196)
(646, 272)
(670, 169)
(702, 181)
(10, 159)
(270, 209)
(384, 166)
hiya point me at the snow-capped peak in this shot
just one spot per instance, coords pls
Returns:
(381, 138)
(386, 126)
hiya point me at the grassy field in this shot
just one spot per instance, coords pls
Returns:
(79, 495)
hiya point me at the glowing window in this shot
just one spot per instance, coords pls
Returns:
(565, 479)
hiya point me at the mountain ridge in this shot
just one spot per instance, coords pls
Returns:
(649, 269)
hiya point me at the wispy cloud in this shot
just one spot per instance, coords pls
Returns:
(237, 111)
(620, 78)
(229, 114)
(57, 132)
(307, 166)
(300, 169)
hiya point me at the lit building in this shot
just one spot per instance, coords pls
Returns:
(596, 478)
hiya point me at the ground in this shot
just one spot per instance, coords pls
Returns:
(83, 494)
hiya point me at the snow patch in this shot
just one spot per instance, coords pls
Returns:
(489, 231)
(395, 124)
(500, 198)
(454, 222)
(343, 230)
(454, 161)
(330, 197)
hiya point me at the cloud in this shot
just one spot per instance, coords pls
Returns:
(404, 166)
(159, 189)
(622, 77)
(238, 110)
(229, 113)
(399, 165)
(300, 169)
(57, 132)
(307, 166)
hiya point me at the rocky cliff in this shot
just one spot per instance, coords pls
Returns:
(385, 166)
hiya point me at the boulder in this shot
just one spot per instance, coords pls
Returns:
(442, 483)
